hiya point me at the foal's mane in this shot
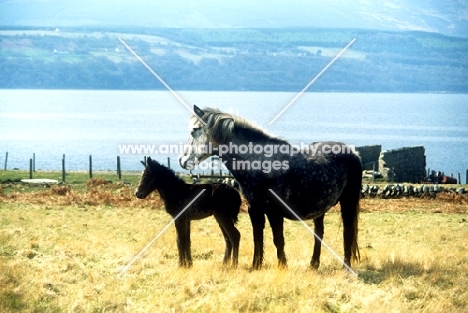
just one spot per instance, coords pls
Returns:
(223, 126)
(164, 173)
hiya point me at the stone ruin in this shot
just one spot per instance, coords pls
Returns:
(406, 164)
(403, 165)
(369, 157)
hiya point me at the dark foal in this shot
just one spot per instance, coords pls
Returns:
(220, 200)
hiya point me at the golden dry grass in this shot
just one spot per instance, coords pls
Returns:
(61, 251)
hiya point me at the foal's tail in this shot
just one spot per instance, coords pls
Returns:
(237, 207)
(227, 200)
(234, 200)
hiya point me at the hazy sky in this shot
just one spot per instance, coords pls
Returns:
(448, 17)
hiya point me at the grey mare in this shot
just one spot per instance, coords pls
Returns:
(310, 181)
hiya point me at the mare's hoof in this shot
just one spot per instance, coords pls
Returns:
(256, 267)
(314, 266)
(282, 266)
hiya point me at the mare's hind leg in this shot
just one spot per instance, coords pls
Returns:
(183, 242)
(276, 223)
(231, 237)
(319, 230)
(257, 218)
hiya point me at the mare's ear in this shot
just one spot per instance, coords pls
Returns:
(199, 112)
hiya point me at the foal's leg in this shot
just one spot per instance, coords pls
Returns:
(183, 242)
(258, 224)
(318, 229)
(231, 236)
(234, 238)
(228, 249)
(276, 223)
(222, 221)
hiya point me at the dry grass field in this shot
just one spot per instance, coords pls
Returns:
(61, 250)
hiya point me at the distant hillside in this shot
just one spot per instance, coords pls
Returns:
(233, 59)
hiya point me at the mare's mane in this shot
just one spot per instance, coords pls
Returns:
(223, 126)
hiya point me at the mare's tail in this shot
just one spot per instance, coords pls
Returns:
(350, 206)
(355, 254)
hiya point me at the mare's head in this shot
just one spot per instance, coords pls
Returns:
(208, 128)
(150, 179)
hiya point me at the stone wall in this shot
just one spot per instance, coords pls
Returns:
(369, 155)
(403, 165)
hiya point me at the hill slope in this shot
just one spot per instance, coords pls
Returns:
(233, 59)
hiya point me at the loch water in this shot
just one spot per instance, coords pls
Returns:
(79, 123)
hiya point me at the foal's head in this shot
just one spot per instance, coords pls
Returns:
(149, 180)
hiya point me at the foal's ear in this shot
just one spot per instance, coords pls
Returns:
(199, 112)
(145, 161)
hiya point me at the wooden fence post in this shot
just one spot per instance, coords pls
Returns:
(373, 171)
(63, 168)
(212, 166)
(90, 166)
(119, 173)
(6, 160)
(30, 168)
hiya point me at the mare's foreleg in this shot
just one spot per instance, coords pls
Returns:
(257, 218)
(319, 230)
(183, 242)
(276, 223)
